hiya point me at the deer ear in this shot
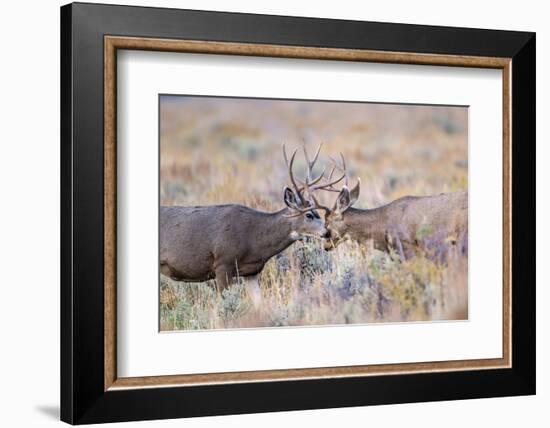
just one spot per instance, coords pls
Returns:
(291, 200)
(354, 193)
(343, 201)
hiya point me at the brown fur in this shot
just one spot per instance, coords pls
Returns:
(406, 224)
(223, 241)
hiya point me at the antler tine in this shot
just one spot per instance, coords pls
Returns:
(288, 164)
(331, 172)
(291, 173)
(316, 154)
(306, 156)
(330, 185)
(293, 179)
(311, 163)
(300, 185)
(344, 168)
(285, 155)
(318, 178)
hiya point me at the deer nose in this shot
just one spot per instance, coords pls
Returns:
(326, 235)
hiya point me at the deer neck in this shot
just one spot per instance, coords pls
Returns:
(275, 233)
(365, 224)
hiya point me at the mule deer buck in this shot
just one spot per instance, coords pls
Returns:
(405, 225)
(199, 243)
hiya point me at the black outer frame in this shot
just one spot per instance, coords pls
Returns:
(83, 399)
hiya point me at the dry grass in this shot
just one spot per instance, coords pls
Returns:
(229, 151)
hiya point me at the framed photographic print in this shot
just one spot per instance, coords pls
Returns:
(264, 213)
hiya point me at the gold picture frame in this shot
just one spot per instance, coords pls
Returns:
(114, 43)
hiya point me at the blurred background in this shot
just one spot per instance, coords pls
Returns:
(228, 150)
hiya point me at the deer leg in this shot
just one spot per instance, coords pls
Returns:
(223, 276)
(394, 246)
(253, 290)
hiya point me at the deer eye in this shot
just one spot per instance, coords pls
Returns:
(309, 216)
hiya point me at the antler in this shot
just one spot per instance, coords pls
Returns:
(309, 186)
(311, 164)
(299, 185)
(329, 185)
(290, 173)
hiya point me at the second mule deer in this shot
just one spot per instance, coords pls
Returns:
(405, 225)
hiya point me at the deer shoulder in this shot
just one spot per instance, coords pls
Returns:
(223, 241)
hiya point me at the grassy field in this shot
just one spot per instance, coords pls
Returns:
(216, 151)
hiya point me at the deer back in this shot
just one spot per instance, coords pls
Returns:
(411, 220)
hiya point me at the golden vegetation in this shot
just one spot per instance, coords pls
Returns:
(216, 151)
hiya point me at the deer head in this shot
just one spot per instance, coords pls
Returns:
(334, 217)
(300, 200)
